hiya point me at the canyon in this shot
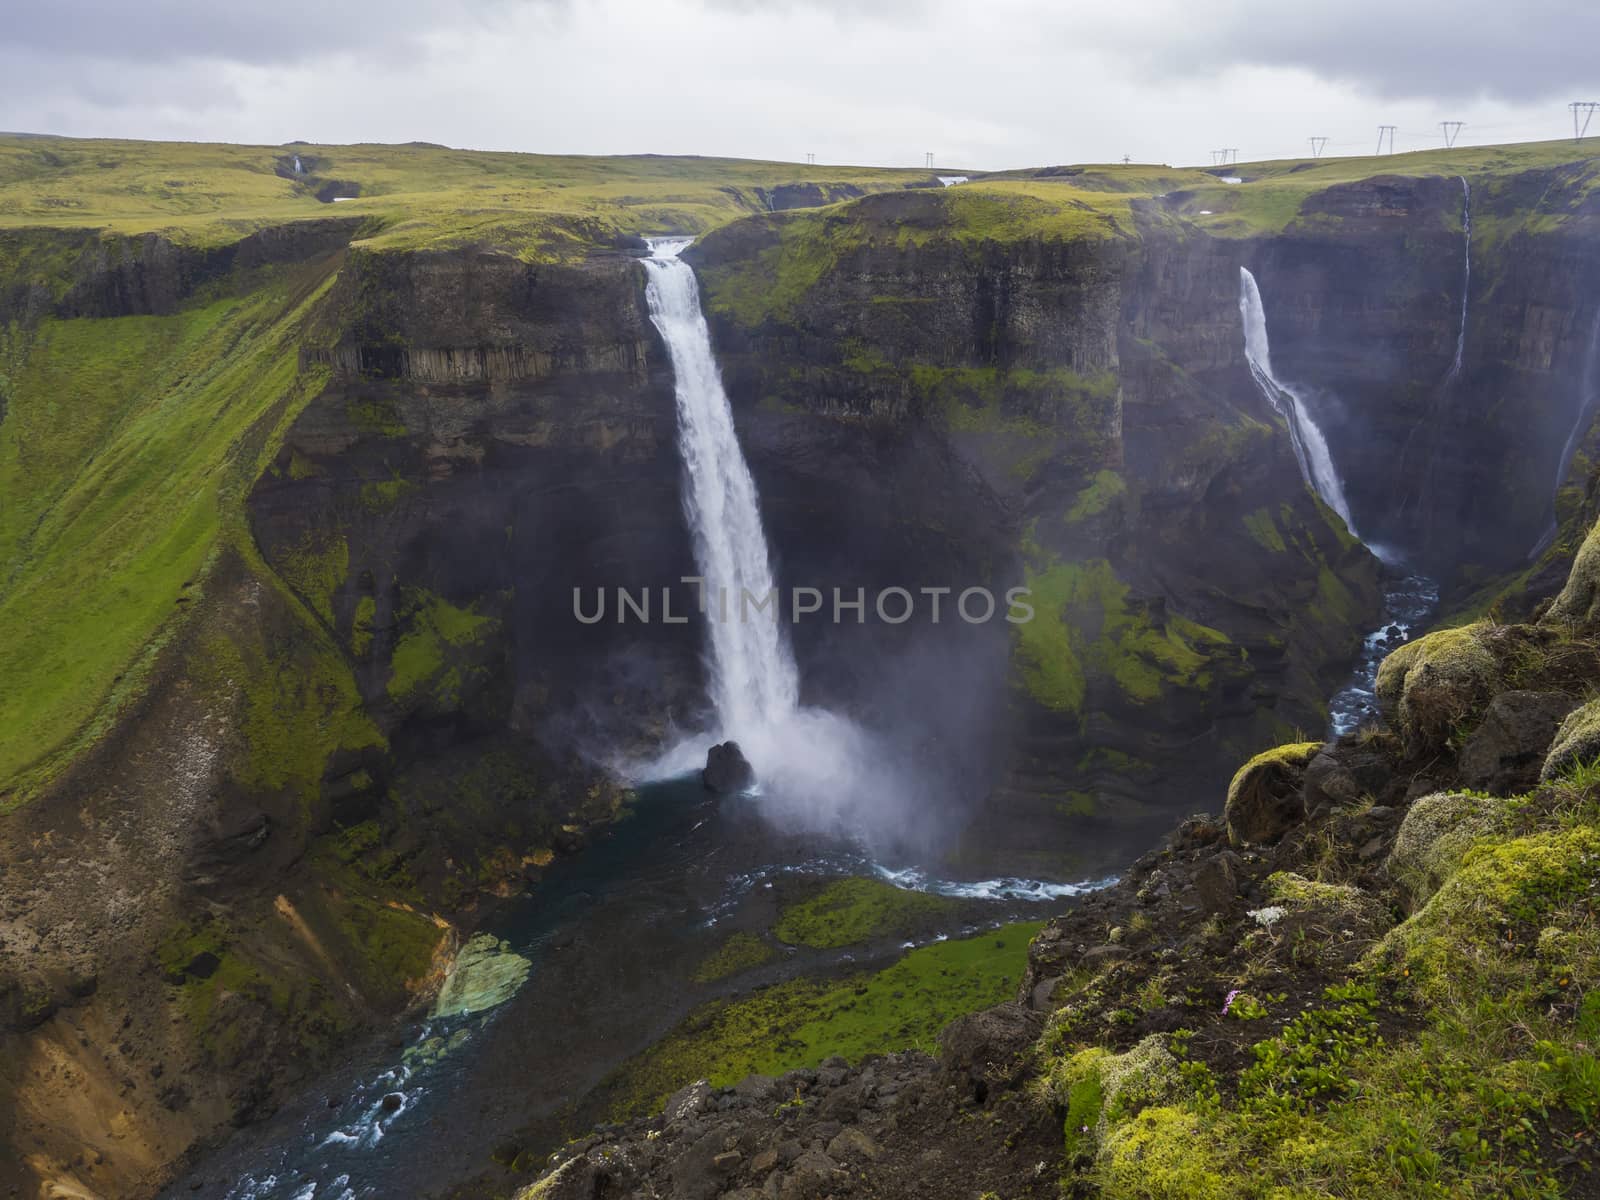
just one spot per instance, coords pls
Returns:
(296, 700)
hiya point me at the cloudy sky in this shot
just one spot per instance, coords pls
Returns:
(986, 84)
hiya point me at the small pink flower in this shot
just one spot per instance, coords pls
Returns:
(1228, 1003)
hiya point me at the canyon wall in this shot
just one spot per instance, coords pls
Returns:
(376, 705)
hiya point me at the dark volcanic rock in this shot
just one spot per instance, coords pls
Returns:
(1506, 752)
(727, 769)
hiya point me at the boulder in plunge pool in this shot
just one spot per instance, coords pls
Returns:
(727, 769)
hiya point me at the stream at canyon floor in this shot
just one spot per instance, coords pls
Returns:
(611, 938)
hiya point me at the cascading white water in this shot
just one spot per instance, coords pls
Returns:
(1588, 394)
(1466, 277)
(1310, 447)
(754, 682)
(1408, 599)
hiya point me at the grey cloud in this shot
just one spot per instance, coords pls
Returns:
(1526, 50)
(285, 31)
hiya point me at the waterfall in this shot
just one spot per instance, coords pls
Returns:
(1409, 599)
(1588, 393)
(754, 682)
(1466, 277)
(1310, 447)
(298, 169)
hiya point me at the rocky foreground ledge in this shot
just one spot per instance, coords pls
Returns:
(1377, 973)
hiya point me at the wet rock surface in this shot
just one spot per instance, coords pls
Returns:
(727, 770)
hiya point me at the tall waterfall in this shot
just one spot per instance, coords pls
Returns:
(1588, 394)
(1310, 447)
(1466, 277)
(754, 682)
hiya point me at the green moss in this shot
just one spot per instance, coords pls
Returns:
(1294, 755)
(741, 952)
(1437, 832)
(315, 567)
(392, 946)
(376, 497)
(1077, 804)
(856, 910)
(800, 1023)
(377, 416)
(1164, 1153)
(213, 974)
(1437, 686)
(361, 626)
(1104, 490)
(1085, 626)
(1264, 530)
(299, 704)
(805, 246)
(425, 661)
(1499, 884)
(1457, 1062)
(1576, 744)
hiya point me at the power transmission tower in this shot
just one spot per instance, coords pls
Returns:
(811, 159)
(930, 158)
(1126, 159)
(1586, 107)
(1317, 143)
(1386, 130)
(1232, 151)
(1452, 129)
(1216, 157)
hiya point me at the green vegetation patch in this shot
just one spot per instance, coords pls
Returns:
(539, 207)
(426, 659)
(857, 910)
(123, 459)
(1457, 1060)
(741, 952)
(1086, 626)
(212, 972)
(802, 1022)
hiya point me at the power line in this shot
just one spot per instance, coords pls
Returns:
(1452, 130)
(1317, 143)
(1586, 107)
(1382, 130)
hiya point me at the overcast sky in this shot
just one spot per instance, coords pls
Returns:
(992, 84)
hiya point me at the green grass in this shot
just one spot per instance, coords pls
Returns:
(802, 1022)
(1272, 195)
(541, 207)
(124, 456)
(741, 952)
(857, 910)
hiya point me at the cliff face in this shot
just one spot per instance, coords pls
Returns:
(1072, 416)
(1456, 464)
(377, 702)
